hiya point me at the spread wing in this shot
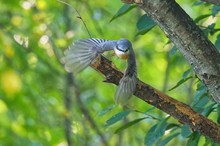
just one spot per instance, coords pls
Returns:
(81, 54)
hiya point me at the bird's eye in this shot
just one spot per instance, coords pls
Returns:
(126, 49)
(122, 48)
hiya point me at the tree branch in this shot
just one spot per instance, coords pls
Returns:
(182, 112)
(189, 39)
(85, 112)
(68, 105)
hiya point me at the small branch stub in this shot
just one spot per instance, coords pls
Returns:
(132, 1)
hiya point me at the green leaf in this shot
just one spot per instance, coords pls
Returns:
(185, 131)
(172, 125)
(208, 110)
(200, 98)
(201, 17)
(123, 10)
(181, 82)
(186, 73)
(149, 137)
(215, 10)
(194, 139)
(109, 108)
(168, 139)
(198, 3)
(160, 126)
(119, 116)
(144, 24)
(200, 104)
(218, 111)
(156, 132)
(150, 109)
(208, 141)
(172, 51)
(129, 124)
(217, 42)
(201, 86)
(212, 29)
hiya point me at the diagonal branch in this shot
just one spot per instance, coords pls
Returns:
(182, 112)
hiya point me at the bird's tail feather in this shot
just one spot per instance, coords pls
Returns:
(126, 88)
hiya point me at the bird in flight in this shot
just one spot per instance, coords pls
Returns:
(83, 52)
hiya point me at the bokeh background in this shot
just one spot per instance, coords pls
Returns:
(37, 99)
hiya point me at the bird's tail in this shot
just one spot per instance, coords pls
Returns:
(126, 88)
(81, 54)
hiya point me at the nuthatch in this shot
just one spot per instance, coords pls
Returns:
(81, 54)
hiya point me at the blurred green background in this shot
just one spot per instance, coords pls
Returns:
(34, 86)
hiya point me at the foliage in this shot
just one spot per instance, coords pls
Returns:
(33, 36)
(144, 24)
(123, 10)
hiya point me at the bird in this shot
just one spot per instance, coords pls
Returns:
(83, 52)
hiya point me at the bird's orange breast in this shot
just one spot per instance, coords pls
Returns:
(122, 55)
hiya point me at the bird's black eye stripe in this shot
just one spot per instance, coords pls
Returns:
(121, 49)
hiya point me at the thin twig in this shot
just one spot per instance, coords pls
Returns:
(95, 23)
(72, 83)
(79, 16)
(167, 73)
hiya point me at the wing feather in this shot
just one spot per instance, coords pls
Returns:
(80, 55)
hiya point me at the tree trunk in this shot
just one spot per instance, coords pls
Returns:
(189, 39)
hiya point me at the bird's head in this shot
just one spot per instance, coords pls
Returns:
(122, 48)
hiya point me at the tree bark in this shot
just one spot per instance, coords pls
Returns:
(182, 112)
(189, 39)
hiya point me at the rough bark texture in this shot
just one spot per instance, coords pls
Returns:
(182, 112)
(189, 39)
